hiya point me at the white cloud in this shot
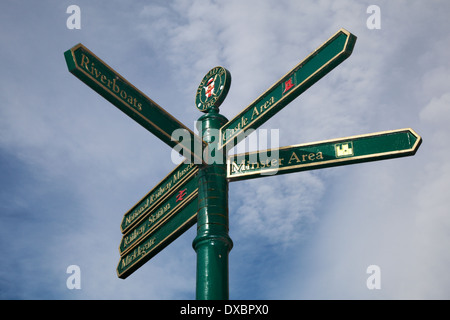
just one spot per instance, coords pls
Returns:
(277, 210)
(89, 163)
(437, 112)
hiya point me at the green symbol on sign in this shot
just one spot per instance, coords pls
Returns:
(213, 89)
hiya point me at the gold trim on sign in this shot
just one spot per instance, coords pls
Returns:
(276, 84)
(155, 247)
(118, 75)
(180, 206)
(169, 193)
(310, 164)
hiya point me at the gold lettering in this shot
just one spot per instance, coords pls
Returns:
(230, 132)
(158, 214)
(85, 61)
(267, 104)
(111, 84)
(244, 121)
(133, 236)
(253, 165)
(293, 156)
(255, 112)
(97, 73)
(115, 86)
(274, 162)
(235, 168)
(300, 158)
(238, 127)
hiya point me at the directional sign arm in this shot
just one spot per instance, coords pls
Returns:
(324, 154)
(154, 243)
(183, 173)
(86, 66)
(154, 219)
(305, 74)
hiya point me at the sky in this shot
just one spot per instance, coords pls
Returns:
(72, 164)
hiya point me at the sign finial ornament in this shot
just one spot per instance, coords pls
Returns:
(213, 89)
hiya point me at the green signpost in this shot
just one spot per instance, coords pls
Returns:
(197, 189)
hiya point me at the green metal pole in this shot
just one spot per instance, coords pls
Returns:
(212, 243)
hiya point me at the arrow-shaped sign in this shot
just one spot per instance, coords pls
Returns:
(305, 74)
(166, 188)
(154, 242)
(323, 154)
(154, 219)
(113, 87)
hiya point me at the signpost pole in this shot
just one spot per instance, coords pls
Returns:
(212, 243)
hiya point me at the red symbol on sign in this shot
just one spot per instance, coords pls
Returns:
(288, 85)
(180, 195)
(209, 89)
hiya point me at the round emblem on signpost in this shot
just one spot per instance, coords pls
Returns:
(213, 89)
